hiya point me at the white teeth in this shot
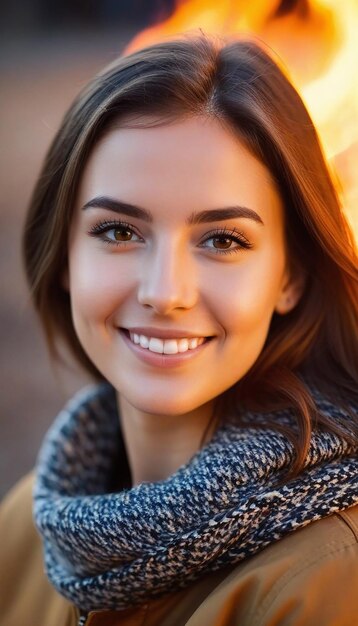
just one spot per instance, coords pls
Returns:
(183, 345)
(166, 346)
(144, 341)
(170, 346)
(156, 345)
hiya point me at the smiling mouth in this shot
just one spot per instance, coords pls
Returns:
(158, 349)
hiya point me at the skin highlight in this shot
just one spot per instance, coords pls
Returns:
(171, 275)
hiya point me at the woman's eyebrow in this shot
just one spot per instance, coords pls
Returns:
(202, 217)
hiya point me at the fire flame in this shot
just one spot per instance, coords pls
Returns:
(317, 41)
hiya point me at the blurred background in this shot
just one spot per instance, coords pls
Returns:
(49, 50)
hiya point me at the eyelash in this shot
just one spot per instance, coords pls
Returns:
(106, 226)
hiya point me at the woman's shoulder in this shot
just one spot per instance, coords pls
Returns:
(26, 595)
(309, 577)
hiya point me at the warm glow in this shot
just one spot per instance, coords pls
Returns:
(317, 41)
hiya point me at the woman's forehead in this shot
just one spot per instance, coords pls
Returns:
(196, 139)
(189, 164)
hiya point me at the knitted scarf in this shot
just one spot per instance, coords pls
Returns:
(108, 549)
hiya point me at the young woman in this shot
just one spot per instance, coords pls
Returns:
(185, 239)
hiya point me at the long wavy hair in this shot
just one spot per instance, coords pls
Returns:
(238, 83)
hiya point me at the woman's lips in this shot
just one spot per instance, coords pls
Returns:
(162, 360)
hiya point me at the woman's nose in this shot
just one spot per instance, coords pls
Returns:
(168, 280)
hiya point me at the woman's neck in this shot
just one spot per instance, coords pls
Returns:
(157, 445)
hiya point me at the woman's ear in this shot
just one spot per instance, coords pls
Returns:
(291, 292)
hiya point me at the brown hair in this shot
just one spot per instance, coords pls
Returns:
(238, 83)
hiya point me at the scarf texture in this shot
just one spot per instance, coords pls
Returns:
(112, 550)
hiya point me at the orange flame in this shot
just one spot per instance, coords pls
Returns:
(318, 41)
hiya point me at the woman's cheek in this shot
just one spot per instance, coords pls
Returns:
(252, 298)
(98, 281)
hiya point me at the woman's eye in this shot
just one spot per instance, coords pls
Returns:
(113, 232)
(120, 233)
(223, 240)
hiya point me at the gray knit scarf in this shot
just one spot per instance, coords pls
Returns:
(111, 548)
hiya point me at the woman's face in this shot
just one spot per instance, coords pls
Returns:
(176, 272)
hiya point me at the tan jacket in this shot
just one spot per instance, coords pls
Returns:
(309, 578)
